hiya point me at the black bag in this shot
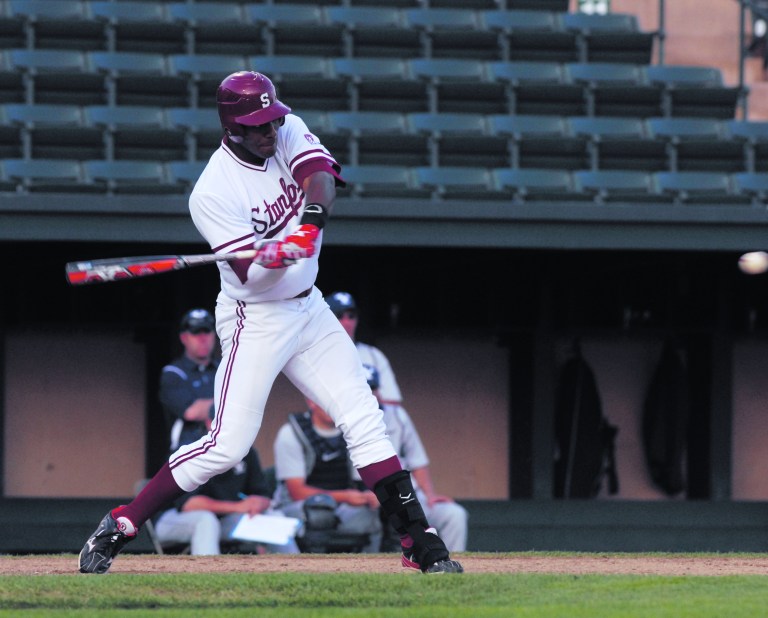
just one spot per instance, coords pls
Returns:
(665, 419)
(584, 439)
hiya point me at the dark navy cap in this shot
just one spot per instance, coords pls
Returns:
(339, 302)
(197, 321)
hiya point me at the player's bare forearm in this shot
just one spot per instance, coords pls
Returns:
(299, 490)
(204, 503)
(251, 505)
(320, 188)
(199, 410)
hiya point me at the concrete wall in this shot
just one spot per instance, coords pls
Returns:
(456, 391)
(74, 414)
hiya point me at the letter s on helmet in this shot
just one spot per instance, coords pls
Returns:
(247, 98)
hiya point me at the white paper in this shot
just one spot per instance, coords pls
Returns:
(275, 529)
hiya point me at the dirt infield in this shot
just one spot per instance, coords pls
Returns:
(389, 563)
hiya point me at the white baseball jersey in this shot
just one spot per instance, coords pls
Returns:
(236, 203)
(389, 390)
(273, 321)
(406, 440)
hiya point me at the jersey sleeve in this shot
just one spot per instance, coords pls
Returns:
(305, 153)
(389, 390)
(290, 462)
(412, 448)
(226, 226)
(174, 394)
(256, 484)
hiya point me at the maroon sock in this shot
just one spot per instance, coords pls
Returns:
(374, 472)
(159, 492)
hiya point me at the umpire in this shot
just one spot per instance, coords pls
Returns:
(186, 384)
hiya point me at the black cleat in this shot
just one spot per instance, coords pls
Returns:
(105, 543)
(445, 566)
(433, 554)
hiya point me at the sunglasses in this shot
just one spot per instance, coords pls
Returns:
(198, 331)
(349, 315)
(265, 128)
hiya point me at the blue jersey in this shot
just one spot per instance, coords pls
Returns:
(181, 383)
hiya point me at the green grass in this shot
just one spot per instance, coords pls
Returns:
(401, 595)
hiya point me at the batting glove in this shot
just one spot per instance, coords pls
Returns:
(281, 253)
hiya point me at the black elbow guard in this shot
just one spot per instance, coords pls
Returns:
(315, 214)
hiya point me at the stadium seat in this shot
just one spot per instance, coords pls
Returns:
(463, 183)
(56, 76)
(382, 181)
(46, 175)
(375, 32)
(453, 33)
(533, 35)
(380, 138)
(694, 91)
(752, 184)
(531, 185)
(753, 135)
(202, 128)
(316, 120)
(620, 143)
(184, 173)
(538, 88)
(336, 142)
(609, 37)
(558, 6)
(216, 28)
(12, 30)
(57, 24)
(49, 131)
(129, 177)
(12, 145)
(381, 84)
(136, 78)
(710, 188)
(12, 81)
(138, 26)
(304, 82)
(697, 144)
(617, 185)
(296, 29)
(203, 73)
(616, 89)
(136, 132)
(479, 5)
(398, 4)
(459, 85)
(461, 140)
(537, 141)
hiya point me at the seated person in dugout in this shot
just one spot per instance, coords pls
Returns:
(345, 309)
(448, 517)
(311, 458)
(205, 518)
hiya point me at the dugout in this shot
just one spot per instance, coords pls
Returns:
(473, 306)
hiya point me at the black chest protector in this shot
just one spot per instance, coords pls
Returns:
(331, 469)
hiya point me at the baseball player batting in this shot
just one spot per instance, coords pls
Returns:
(272, 182)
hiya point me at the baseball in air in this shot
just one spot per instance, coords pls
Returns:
(754, 262)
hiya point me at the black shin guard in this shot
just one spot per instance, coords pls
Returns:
(403, 509)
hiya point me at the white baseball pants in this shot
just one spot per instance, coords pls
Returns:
(302, 338)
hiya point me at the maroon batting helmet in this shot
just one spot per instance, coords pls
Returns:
(248, 98)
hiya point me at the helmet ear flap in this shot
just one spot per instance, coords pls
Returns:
(238, 139)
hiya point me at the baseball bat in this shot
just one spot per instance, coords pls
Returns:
(115, 269)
